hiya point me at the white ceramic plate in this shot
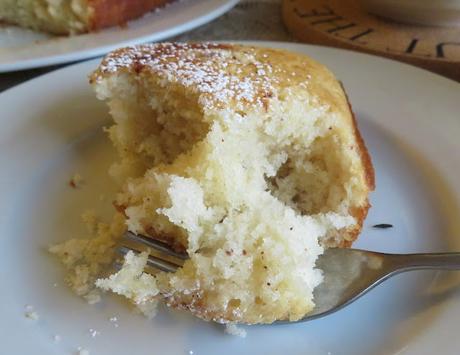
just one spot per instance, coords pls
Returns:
(25, 49)
(51, 128)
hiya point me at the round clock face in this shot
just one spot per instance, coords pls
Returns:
(418, 12)
(349, 25)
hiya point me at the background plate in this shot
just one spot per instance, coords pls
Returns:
(25, 49)
(51, 129)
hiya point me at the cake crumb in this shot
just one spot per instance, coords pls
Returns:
(90, 219)
(232, 329)
(114, 321)
(32, 315)
(149, 308)
(93, 332)
(76, 181)
(30, 312)
(92, 297)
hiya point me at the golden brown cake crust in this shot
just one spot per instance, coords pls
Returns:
(288, 71)
(106, 13)
(359, 213)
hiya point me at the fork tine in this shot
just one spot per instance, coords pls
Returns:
(155, 244)
(152, 261)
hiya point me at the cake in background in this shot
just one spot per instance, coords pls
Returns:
(66, 17)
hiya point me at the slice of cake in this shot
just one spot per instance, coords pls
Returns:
(74, 16)
(249, 159)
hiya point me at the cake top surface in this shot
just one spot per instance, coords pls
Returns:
(223, 73)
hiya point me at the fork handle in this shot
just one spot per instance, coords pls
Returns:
(437, 261)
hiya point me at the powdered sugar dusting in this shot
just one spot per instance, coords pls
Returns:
(215, 72)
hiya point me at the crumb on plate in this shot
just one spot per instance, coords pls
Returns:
(92, 297)
(233, 329)
(30, 312)
(32, 315)
(93, 332)
(114, 321)
(76, 181)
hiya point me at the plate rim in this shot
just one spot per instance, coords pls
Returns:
(288, 45)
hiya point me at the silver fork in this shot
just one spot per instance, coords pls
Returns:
(165, 259)
(348, 273)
